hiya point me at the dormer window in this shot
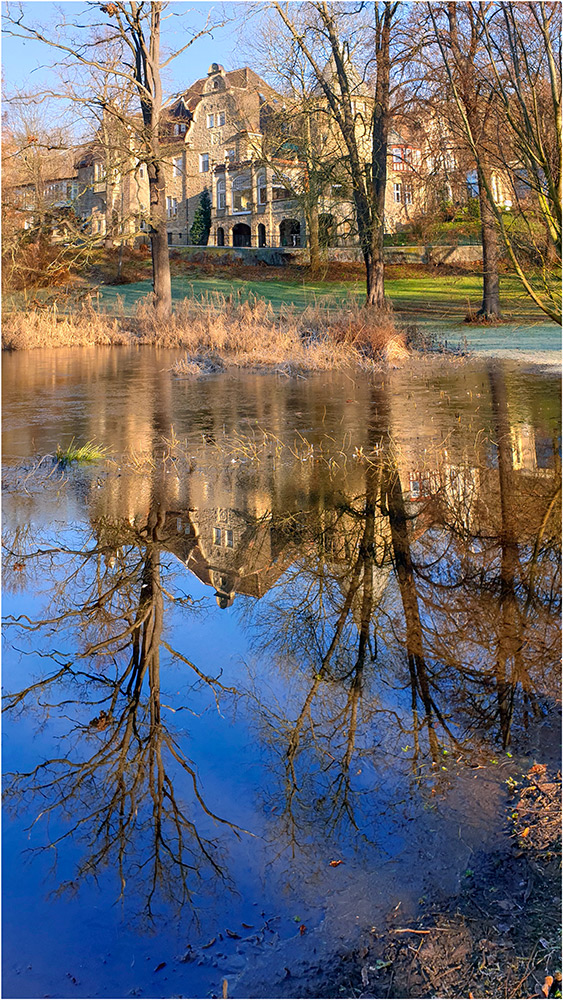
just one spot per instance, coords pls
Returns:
(180, 128)
(210, 121)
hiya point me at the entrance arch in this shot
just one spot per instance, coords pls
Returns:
(290, 233)
(220, 237)
(241, 235)
(261, 235)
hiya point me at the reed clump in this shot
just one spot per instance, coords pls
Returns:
(222, 330)
(86, 327)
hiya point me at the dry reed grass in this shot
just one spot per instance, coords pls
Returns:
(217, 331)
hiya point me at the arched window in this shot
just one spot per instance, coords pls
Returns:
(221, 193)
(242, 193)
(261, 235)
(261, 188)
(220, 237)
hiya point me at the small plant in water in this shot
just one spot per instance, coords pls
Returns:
(81, 454)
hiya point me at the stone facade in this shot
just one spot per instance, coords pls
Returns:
(216, 137)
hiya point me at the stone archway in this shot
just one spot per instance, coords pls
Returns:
(241, 235)
(220, 236)
(290, 233)
(261, 235)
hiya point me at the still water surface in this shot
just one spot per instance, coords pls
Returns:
(286, 623)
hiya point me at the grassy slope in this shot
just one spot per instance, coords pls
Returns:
(447, 296)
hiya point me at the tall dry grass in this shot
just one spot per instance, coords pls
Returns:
(244, 333)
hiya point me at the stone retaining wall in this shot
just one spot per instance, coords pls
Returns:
(278, 256)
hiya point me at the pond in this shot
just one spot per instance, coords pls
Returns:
(269, 665)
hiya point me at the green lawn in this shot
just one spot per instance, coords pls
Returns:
(449, 297)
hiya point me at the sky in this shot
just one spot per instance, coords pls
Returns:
(25, 64)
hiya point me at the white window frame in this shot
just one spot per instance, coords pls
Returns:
(221, 193)
(241, 183)
(210, 121)
(178, 166)
(397, 192)
(171, 207)
(231, 155)
(204, 163)
(221, 118)
(408, 194)
(262, 188)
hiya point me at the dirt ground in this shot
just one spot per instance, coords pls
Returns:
(498, 936)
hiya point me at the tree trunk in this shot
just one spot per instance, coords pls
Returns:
(490, 306)
(162, 292)
(381, 116)
(314, 250)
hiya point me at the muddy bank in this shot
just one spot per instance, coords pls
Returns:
(498, 936)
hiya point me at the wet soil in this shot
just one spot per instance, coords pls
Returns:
(498, 936)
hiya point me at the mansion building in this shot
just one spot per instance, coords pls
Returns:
(231, 135)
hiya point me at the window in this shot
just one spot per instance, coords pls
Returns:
(221, 193)
(279, 192)
(242, 194)
(408, 194)
(221, 118)
(397, 192)
(230, 155)
(210, 121)
(262, 189)
(397, 155)
(180, 128)
(178, 164)
(229, 538)
(99, 172)
(171, 207)
(203, 163)
(216, 536)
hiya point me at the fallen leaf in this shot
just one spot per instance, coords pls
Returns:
(208, 945)
(525, 832)
(231, 934)
(334, 864)
(225, 989)
(547, 986)
(302, 929)
(365, 976)
(160, 966)
(248, 926)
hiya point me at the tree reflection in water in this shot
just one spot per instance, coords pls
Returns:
(454, 596)
(407, 615)
(115, 777)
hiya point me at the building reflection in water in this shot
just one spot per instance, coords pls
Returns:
(406, 598)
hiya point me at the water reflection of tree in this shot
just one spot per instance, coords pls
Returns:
(455, 599)
(117, 775)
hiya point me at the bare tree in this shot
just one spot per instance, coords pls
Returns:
(521, 78)
(319, 27)
(135, 28)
